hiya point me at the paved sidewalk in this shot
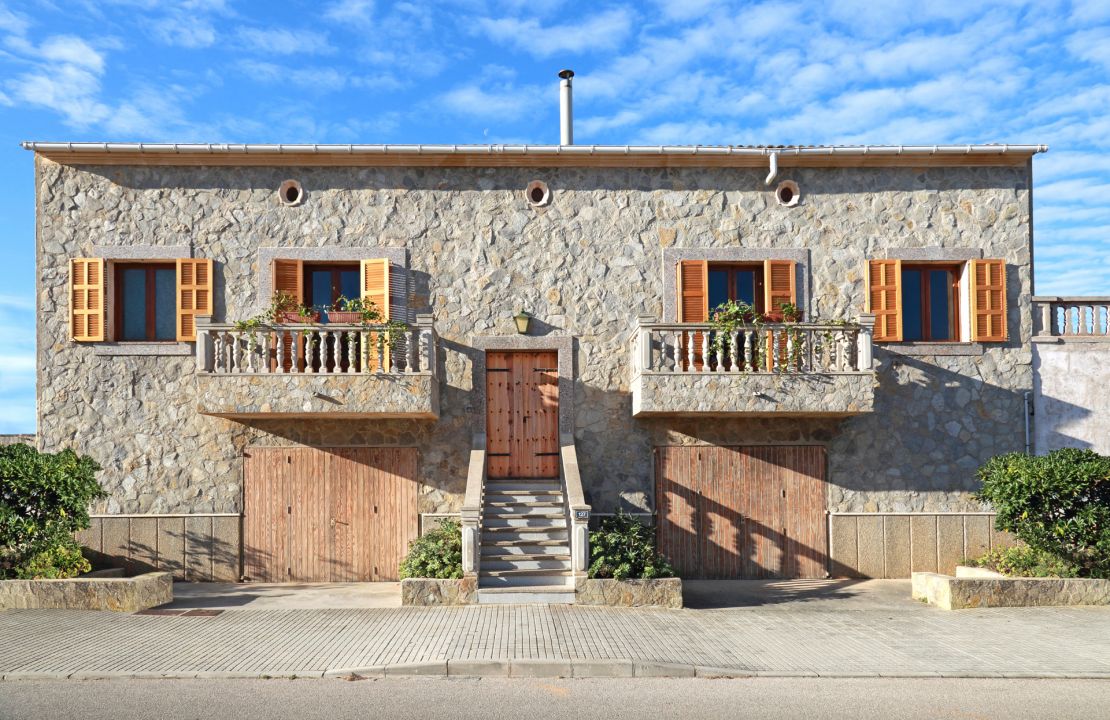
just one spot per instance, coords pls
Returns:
(802, 630)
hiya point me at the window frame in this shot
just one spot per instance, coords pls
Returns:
(955, 298)
(151, 267)
(732, 267)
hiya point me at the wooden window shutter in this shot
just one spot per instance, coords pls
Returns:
(988, 300)
(884, 298)
(194, 295)
(86, 299)
(288, 277)
(374, 281)
(778, 285)
(693, 291)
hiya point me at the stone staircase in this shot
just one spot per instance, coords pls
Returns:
(525, 544)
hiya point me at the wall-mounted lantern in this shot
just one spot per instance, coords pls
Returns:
(523, 321)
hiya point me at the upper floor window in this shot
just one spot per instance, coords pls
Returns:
(938, 302)
(736, 282)
(147, 301)
(144, 301)
(325, 284)
(930, 303)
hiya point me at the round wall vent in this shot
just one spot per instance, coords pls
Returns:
(537, 193)
(291, 193)
(787, 193)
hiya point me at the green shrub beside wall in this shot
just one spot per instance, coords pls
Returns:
(623, 548)
(435, 554)
(44, 500)
(1058, 504)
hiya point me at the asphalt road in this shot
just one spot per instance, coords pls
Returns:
(618, 699)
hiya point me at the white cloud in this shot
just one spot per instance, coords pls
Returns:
(72, 50)
(505, 102)
(12, 23)
(310, 78)
(604, 31)
(279, 41)
(67, 89)
(187, 31)
(1091, 45)
(353, 12)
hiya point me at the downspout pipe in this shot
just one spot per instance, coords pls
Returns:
(1028, 396)
(566, 108)
(774, 169)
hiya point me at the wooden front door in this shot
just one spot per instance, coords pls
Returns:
(742, 512)
(522, 414)
(327, 514)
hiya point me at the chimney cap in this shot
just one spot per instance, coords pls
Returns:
(566, 74)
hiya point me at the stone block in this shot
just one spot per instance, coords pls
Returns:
(961, 593)
(116, 540)
(171, 545)
(950, 542)
(898, 549)
(198, 548)
(306, 396)
(872, 546)
(669, 393)
(429, 592)
(477, 668)
(656, 669)
(923, 548)
(437, 667)
(143, 544)
(845, 556)
(601, 668)
(225, 549)
(657, 592)
(977, 535)
(1001, 538)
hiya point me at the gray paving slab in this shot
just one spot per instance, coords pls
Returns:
(810, 629)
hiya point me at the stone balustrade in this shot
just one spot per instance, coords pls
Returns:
(333, 370)
(315, 349)
(773, 368)
(1064, 319)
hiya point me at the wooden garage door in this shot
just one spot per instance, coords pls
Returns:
(328, 514)
(742, 512)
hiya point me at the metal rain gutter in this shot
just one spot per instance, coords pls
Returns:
(699, 150)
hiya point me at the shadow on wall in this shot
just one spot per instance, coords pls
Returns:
(200, 548)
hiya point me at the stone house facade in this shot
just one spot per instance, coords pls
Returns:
(911, 267)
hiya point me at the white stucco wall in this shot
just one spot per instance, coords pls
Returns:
(1071, 399)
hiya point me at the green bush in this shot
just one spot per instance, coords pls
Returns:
(435, 554)
(44, 499)
(1057, 504)
(1024, 561)
(624, 548)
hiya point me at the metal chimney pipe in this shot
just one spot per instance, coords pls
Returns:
(566, 108)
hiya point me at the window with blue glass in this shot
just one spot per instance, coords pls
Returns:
(739, 283)
(325, 284)
(930, 303)
(146, 306)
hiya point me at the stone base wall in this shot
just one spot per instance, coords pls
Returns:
(658, 592)
(427, 592)
(952, 593)
(88, 593)
(189, 547)
(891, 545)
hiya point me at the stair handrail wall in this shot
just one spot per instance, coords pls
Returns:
(471, 511)
(578, 512)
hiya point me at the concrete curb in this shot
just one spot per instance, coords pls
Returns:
(540, 668)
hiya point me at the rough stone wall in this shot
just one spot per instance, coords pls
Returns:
(1072, 396)
(586, 265)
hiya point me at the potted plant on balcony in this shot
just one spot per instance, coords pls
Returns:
(284, 308)
(727, 319)
(354, 310)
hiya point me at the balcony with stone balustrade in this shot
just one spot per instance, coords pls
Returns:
(774, 369)
(317, 371)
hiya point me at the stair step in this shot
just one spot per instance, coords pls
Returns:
(508, 579)
(538, 522)
(545, 548)
(498, 493)
(515, 503)
(523, 486)
(525, 536)
(522, 572)
(525, 512)
(491, 566)
(511, 542)
(527, 595)
(502, 557)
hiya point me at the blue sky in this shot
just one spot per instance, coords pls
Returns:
(696, 71)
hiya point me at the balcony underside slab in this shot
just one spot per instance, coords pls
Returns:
(753, 394)
(246, 396)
